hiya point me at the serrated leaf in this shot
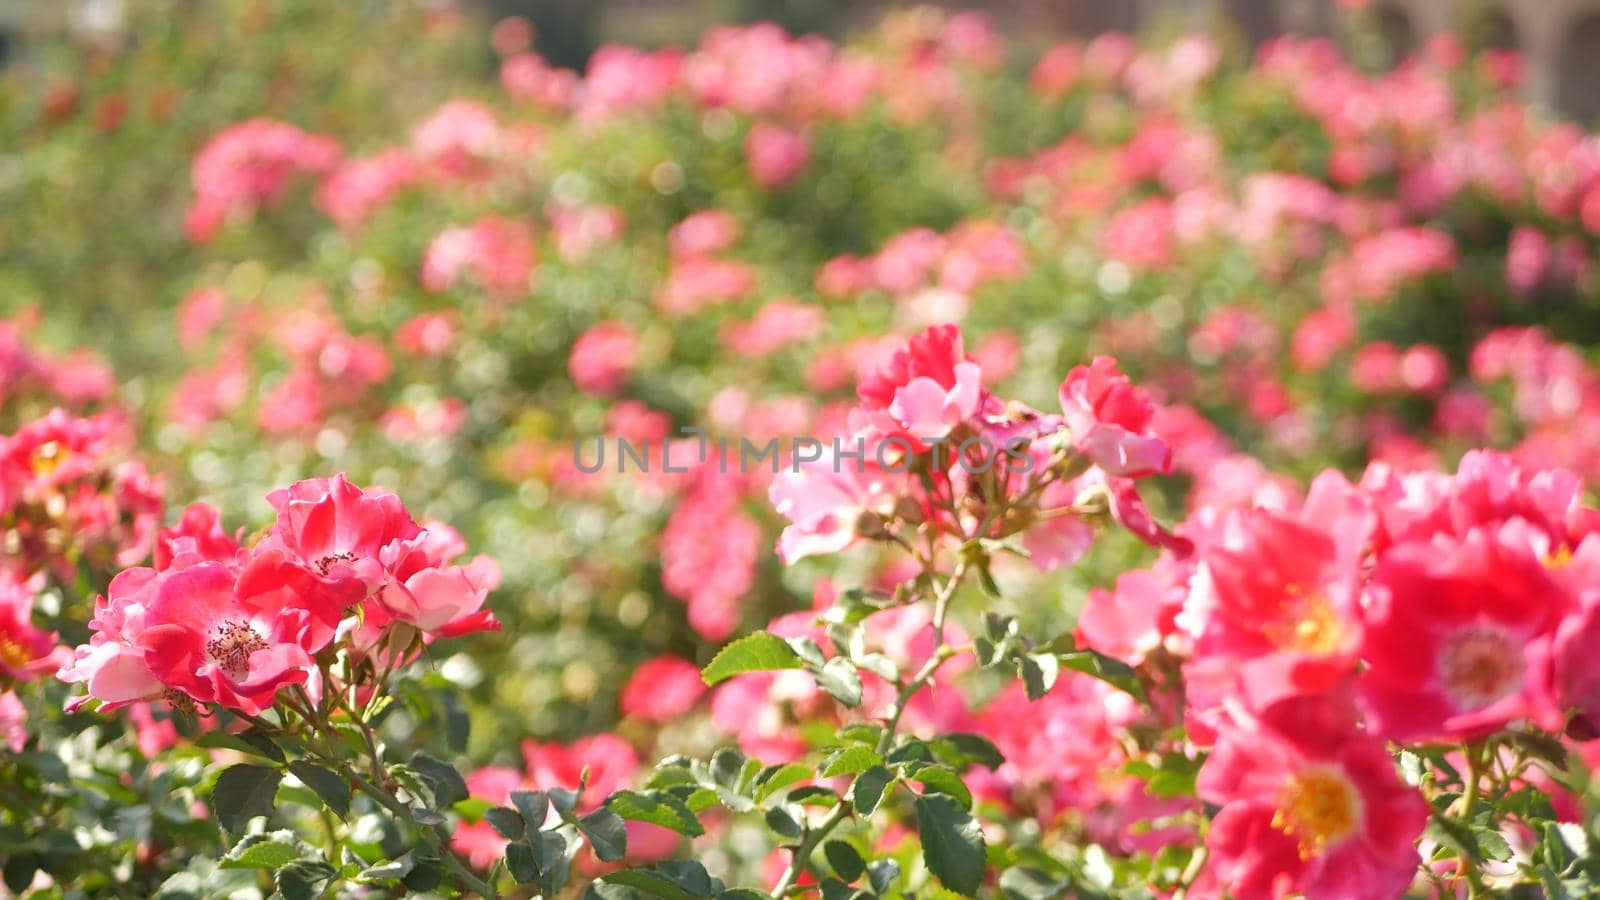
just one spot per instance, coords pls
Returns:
(839, 678)
(952, 843)
(759, 652)
(521, 863)
(648, 883)
(944, 781)
(262, 851)
(447, 783)
(329, 785)
(845, 860)
(243, 792)
(563, 799)
(780, 821)
(657, 808)
(252, 742)
(868, 789)
(392, 870)
(508, 823)
(881, 874)
(1114, 672)
(533, 806)
(1491, 843)
(814, 795)
(726, 765)
(606, 833)
(777, 778)
(976, 748)
(851, 761)
(303, 879)
(1039, 672)
(879, 665)
(1020, 883)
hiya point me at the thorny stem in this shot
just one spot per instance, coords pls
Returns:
(813, 837)
(308, 710)
(1469, 803)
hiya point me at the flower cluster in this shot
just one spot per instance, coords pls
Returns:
(218, 622)
(1416, 609)
(927, 442)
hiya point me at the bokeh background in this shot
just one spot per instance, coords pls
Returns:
(1316, 151)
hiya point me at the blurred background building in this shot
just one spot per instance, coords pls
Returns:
(1559, 39)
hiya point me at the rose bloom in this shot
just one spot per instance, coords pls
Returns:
(1109, 419)
(776, 154)
(1456, 635)
(662, 689)
(602, 358)
(1309, 806)
(926, 389)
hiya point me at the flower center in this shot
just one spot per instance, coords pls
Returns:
(231, 646)
(1480, 665)
(328, 562)
(13, 653)
(1319, 806)
(47, 458)
(178, 701)
(1310, 625)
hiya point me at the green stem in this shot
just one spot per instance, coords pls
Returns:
(461, 873)
(813, 837)
(1469, 804)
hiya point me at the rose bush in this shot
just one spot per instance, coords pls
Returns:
(920, 465)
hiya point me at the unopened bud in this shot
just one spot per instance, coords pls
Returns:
(909, 511)
(870, 525)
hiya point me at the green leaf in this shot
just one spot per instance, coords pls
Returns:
(1114, 672)
(521, 863)
(648, 883)
(1455, 835)
(329, 785)
(814, 795)
(533, 805)
(425, 877)
(448, 785)
(780, 821)
(839, 678)
(1039, 672)
(563, 799)
(845, 860)
(252, 742)
(303, 879)
(1492, 843)
(851, 761)
(986, 579)
(882, 874)
(243, 792)
(1020, 883)
(262, 851)
(944, 781)
(777, 778)
(606, 833)
(952, 843)
(394, 869)
(759, 652)
(554, 859)
(508, 823)
(657, 808)
(726, 766)
(975, 748)
(868, 789)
